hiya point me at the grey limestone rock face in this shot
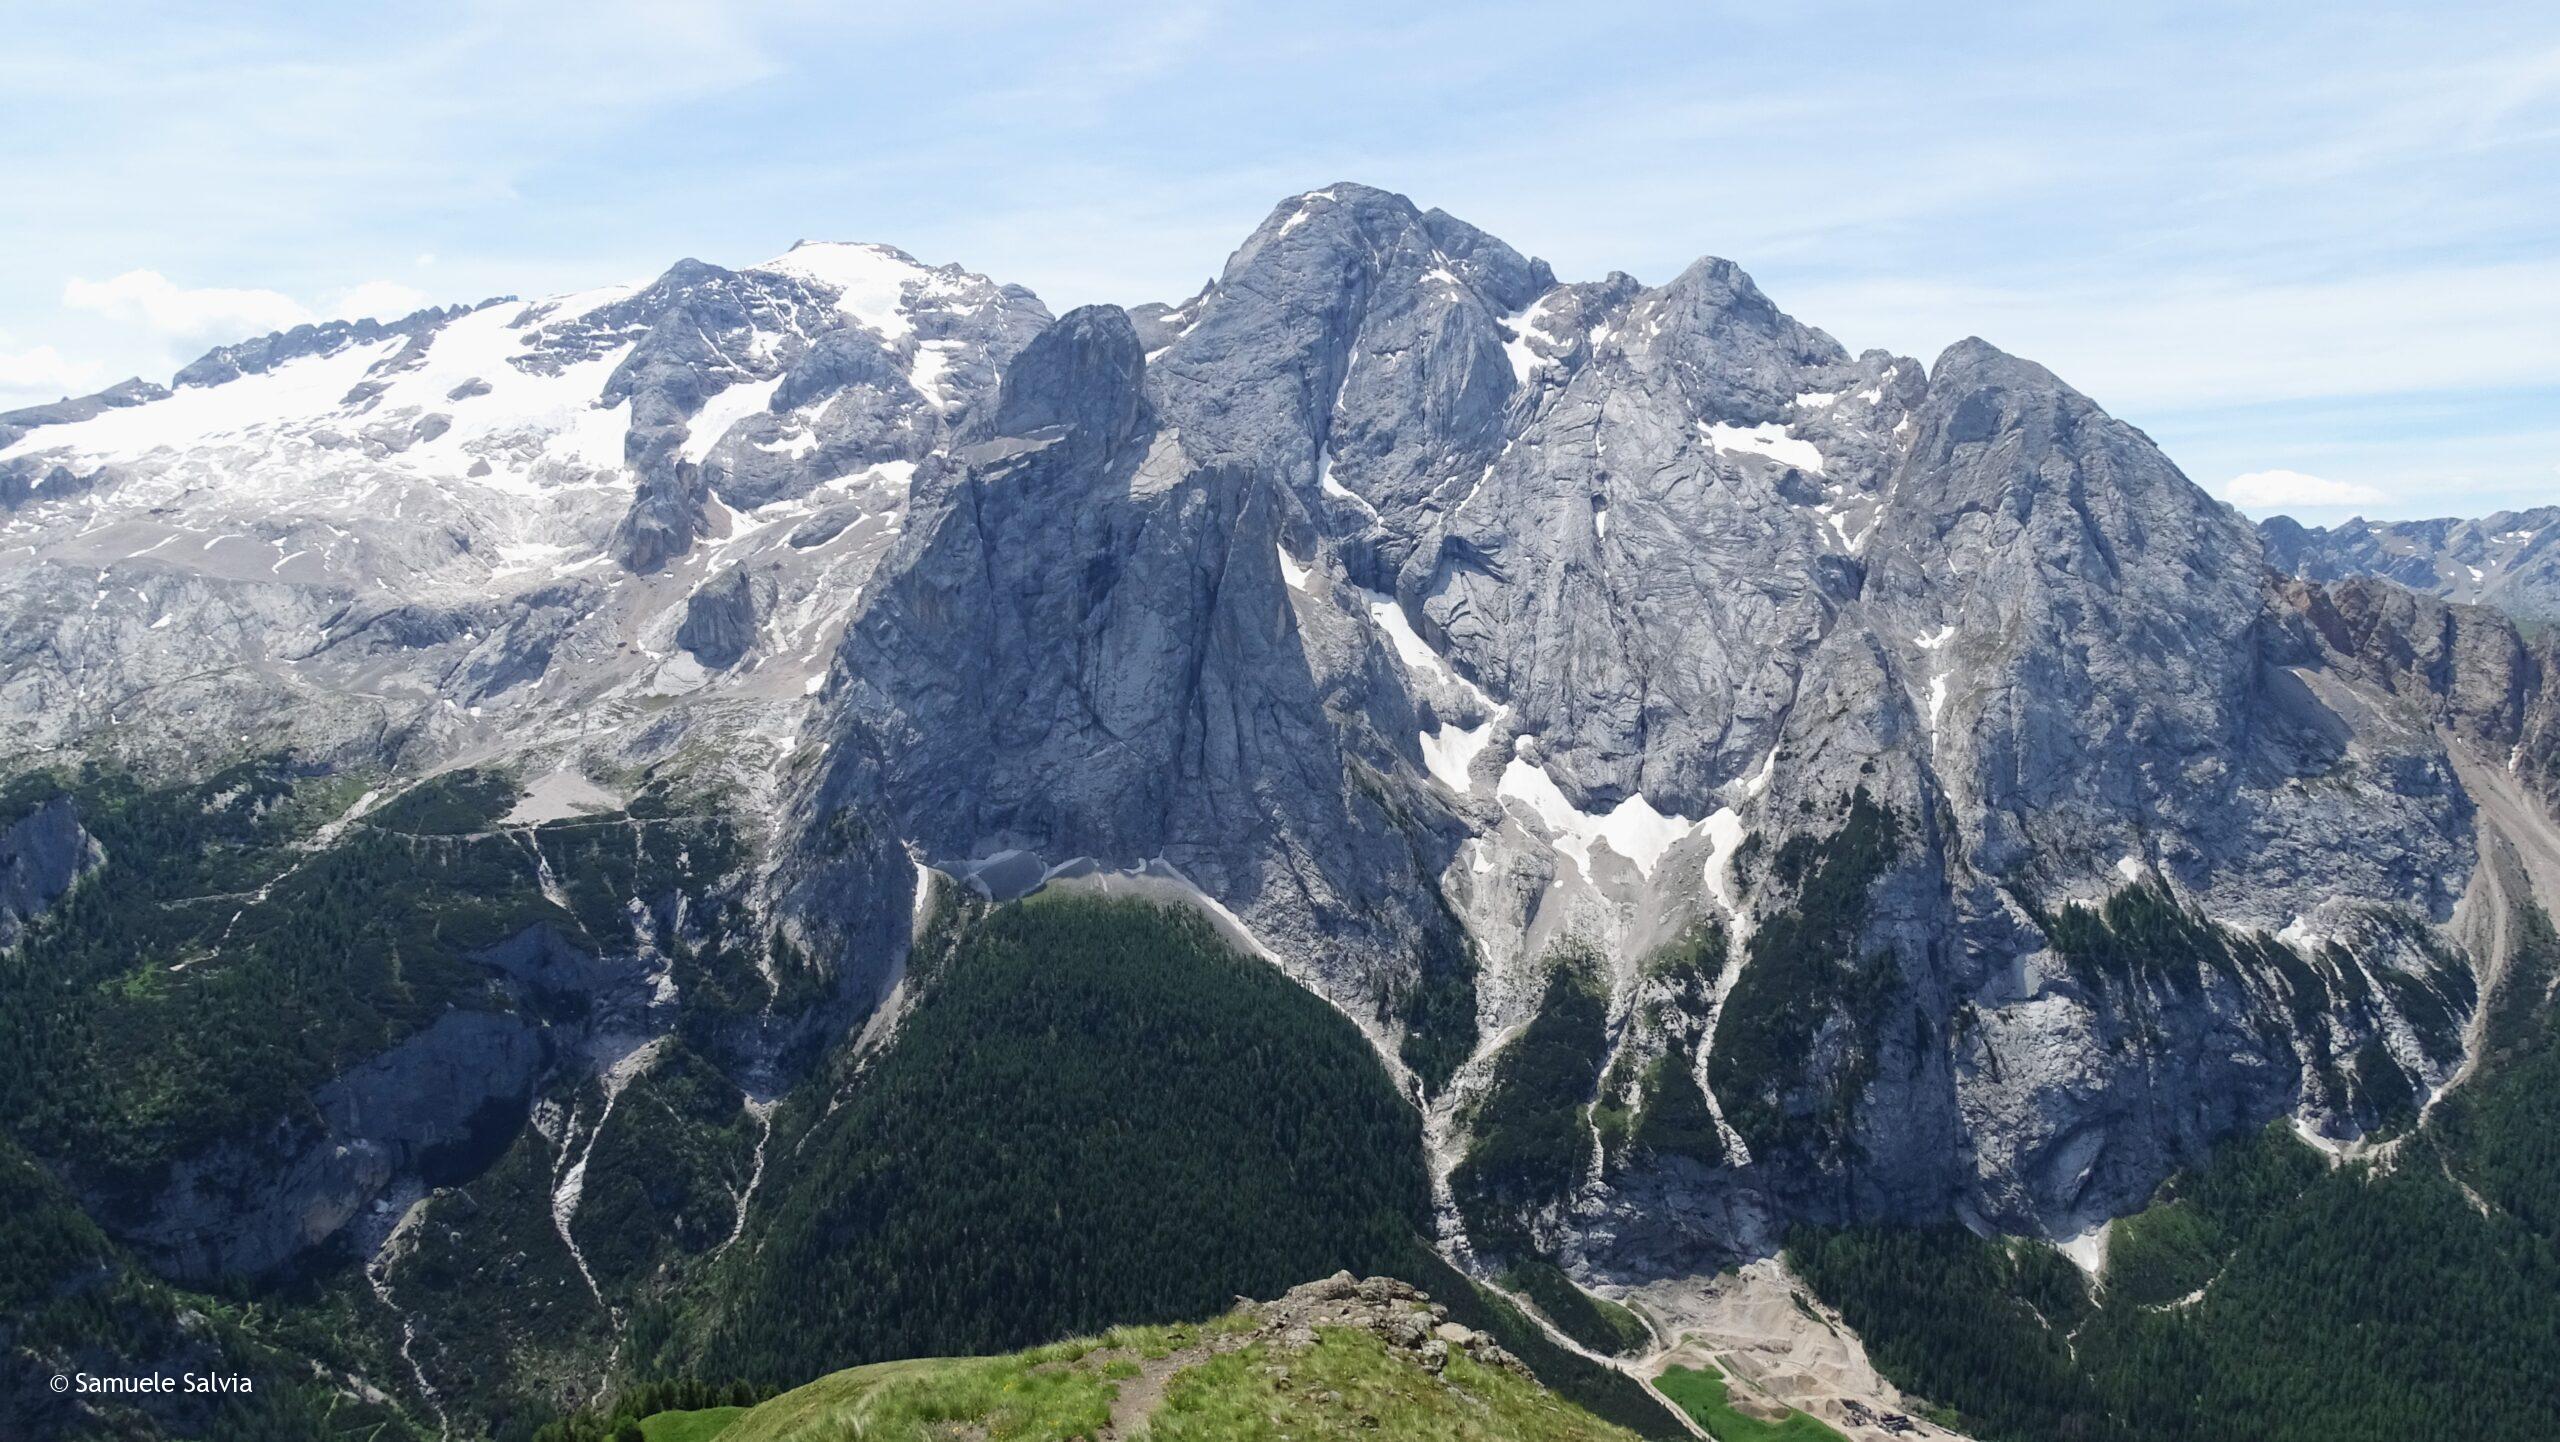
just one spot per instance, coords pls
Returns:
(1588, 600)
(42, 854)
(720, 618)
(1086, 650)
(250, 1206)
(1428, 616)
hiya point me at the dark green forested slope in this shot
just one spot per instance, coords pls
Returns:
(222, 964)
(71, 1303)
(1805, 967)
(200, 984)
(1092, 1113)
(1530, 1137)
(2266, 1297)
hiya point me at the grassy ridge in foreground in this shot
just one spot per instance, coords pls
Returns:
(1347, 1384)
(700, 1426)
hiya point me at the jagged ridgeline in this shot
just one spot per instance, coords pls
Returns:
(568, 853)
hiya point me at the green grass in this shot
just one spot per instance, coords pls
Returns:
(699, 1426)
(1702, 1393)
(1348, 1385)
(1012, 1398)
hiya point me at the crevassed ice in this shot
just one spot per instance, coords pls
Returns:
(559, 408)
(870, 281)
(302, 387)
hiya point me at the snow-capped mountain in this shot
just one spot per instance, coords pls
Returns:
(1907, 761)
(1414, 606)
(478, 525)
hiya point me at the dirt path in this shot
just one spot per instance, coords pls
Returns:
(1137, 1398)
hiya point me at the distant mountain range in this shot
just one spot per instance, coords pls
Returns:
(2510, 560)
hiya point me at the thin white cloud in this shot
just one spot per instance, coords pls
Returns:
(150, 299)
(42, 370)
(2204, 340)
(2280, 489)
(381, 300)
(42, 367)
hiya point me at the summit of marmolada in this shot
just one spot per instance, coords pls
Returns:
(1410, 842)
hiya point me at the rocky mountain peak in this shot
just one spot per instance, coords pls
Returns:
(1085, 374)
(1434, 622)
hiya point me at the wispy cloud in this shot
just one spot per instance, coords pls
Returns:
(157, 303)
(42, 371)
(2178, 340)
(2260, 492)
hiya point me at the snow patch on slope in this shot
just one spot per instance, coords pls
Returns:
(1450, 753)
(726, 409)
(1415, 652)
(1525, 361)
(1633, 828)
(1768, 439)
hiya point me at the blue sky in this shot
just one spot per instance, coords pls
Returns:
(2315, 247)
